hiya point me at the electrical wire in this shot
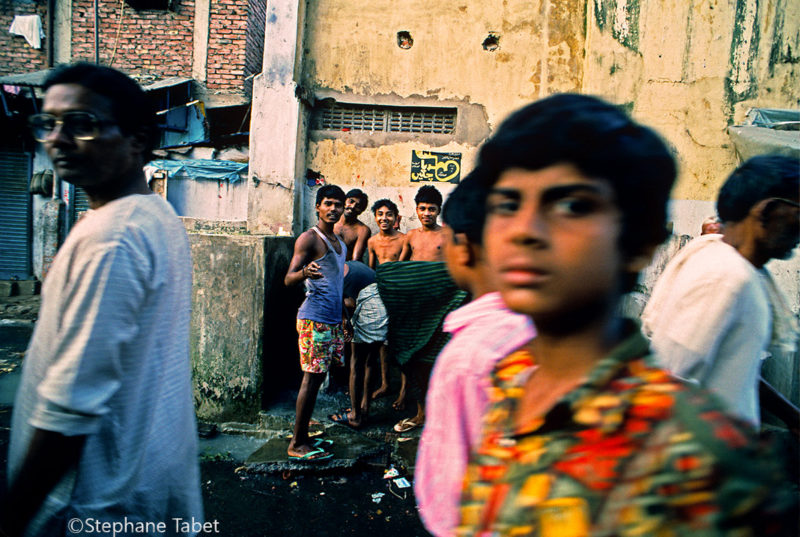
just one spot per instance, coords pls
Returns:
(119, 27)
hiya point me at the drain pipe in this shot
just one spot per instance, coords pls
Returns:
(96, 34)
(51, 17)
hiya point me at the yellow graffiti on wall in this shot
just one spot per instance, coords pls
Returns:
(435, 167)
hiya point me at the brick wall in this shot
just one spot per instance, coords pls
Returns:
(16, 55)
(226, 45)
(254, 58)
(150, 43)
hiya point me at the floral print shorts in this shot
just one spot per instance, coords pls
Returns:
(320, 345)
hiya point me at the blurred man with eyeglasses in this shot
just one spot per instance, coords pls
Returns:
(715, 312)
(103, 429)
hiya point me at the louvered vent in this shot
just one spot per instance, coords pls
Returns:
(361, 117)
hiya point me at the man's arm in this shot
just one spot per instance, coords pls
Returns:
(299, 270)
(49, 456)
(373, 257)
(361, 243)
(405, 253)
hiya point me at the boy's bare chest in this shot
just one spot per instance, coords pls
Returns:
(427, 246)
(348, 232)
(388, 248)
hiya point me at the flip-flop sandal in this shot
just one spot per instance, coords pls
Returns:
(403, 426)
(342, 419)
(321, 443)
(315, 455)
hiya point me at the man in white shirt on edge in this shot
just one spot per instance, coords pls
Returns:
(710, 319)
(103, 432)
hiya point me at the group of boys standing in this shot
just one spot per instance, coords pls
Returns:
(341, 291)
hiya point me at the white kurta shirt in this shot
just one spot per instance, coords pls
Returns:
(709, 321)
(109, 359)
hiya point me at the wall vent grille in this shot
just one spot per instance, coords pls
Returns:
(336, 116)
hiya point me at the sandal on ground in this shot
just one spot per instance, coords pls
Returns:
(315, 455)
(403, 426)
(342, 419)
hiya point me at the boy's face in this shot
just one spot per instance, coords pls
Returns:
(551, 241)
(385, 218)
(455, 259)
(427, 213)
(329, 210)
(353, 207)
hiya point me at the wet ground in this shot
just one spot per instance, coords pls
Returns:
(249, 487)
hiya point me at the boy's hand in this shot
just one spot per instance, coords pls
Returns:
(312, 271)
(347, 329)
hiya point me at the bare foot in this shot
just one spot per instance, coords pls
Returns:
(408, 424)
(308, 453)
(400, 403)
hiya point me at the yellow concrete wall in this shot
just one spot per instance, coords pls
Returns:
(689, 68)
(692, 69)
(351, 48)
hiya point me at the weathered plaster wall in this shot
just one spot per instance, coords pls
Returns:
(351, 50)
(691, 69)
(243, 339)
(228, 276)
(351, 46)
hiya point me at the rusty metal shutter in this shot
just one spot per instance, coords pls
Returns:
(15, 216)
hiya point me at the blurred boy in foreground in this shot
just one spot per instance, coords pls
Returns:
(584, 435)
(483, 331)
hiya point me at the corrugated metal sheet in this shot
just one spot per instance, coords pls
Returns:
(79, 204)
(15, 216)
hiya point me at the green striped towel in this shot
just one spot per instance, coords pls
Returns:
(417, 295)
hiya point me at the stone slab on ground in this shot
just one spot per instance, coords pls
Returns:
(348, 448)
(28, 287)
(8, 288)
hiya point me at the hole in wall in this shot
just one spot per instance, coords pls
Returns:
(404, 40)
(491, 43)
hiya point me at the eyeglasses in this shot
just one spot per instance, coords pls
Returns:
(80, 125)
(784, 200)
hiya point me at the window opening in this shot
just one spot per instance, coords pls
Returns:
(360, 117)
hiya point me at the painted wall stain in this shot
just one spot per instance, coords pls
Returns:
(622, 17)
(742, 82)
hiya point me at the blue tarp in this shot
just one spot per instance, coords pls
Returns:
(215, 170)
(767, 130)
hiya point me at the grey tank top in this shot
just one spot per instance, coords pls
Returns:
(323, 303)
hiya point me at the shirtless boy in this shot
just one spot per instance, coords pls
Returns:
(354, 232)
(384, 247)
(426, 243)
(388, 244)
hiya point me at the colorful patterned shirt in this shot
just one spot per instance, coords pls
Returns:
(630, 451)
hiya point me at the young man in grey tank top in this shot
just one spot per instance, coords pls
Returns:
(318, 260)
